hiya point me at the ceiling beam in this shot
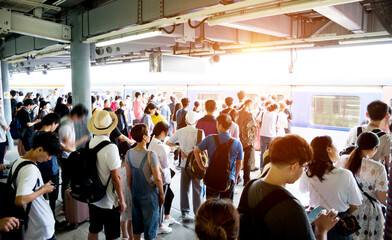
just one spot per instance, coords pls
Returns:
(30, 26)
(278, 26)
(349, 16)
(273, 10)
(36, 4)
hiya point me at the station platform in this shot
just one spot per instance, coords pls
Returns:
(183, 230)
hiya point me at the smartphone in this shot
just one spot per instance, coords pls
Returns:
(314, 213)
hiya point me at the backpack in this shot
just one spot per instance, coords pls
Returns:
(252, 219)
(218, 174)
(192, 169)
(8, 207)
(121, 124)
(182, 124)
(377, 131)
(85, 183)
(15, 129)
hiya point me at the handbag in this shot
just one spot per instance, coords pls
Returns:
(346, 225)
(371, 199)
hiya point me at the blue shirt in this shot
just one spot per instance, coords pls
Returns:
(48, 168)
(236, 152)
(165, 111)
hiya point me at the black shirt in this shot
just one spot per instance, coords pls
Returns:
(24, 117)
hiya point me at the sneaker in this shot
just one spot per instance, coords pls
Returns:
(60, 225)
(254, 169)
(187, 218)
(169, 221)
(164, 229)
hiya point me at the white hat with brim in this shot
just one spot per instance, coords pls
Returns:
(103, 122)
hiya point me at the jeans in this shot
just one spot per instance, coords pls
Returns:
(145, 205)
(197, 196)
(228, 194)
(247, 163)
(171, 128)
(264, 145)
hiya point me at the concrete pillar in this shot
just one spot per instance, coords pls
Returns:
(80, 70)
(6, 101)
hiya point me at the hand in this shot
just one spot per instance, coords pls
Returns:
(161, 199)
(37, 121)
(122, 206)
(326, 220)
(8, 223)
(84, 139)
(183, 155)
(3, 166)
(48, 187)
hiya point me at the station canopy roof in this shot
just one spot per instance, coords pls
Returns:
(36, 34)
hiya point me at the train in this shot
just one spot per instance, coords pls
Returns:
(330, 103)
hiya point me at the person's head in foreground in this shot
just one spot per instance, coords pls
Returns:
(217, 219)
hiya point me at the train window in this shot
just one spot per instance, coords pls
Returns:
(218, 97)
(335, 111)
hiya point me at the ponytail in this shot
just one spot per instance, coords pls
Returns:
(354, 161)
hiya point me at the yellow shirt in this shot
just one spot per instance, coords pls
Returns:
(156, 119)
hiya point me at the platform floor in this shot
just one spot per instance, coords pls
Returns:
(183, 230)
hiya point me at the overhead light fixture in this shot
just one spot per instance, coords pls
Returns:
(215, 59)
(305, 45)
(128, 38)
(366, 40)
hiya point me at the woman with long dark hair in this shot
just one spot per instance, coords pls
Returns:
(165, 157)
(328, 186)
(372, 178)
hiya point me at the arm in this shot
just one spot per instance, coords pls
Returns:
(123, 138)
(323, 223)
(129, 176)
(30, 124)
(25, 199)
(382, 197)
(116, 179)
(81, 141)
(352, 209)
(159, 183)
(171, 144)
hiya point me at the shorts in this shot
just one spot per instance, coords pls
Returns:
(104, 218)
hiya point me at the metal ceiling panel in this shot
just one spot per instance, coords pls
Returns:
(24, 44)
(112, 16)
(40, 43)
(174, 7)
(9, 48)
(150, 10)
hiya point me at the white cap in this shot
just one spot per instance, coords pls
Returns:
(191, 117)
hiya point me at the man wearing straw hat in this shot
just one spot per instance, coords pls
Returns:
(106, 212)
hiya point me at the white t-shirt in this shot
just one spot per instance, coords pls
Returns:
(281, 124)
(338, 190)
(187, 138)
(41, 220)
(66, 131)
(268, 125)
(108, 159)
(385, 142)
(2, 130)
(165, 158)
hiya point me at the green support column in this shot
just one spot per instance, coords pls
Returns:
(80, 70)
(6, 101)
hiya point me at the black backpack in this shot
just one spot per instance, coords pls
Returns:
(252, 219)
(218, 173)
(192, 169)
(15, 128)
(377, 131)
(8, 207)
(182, 123)
(85, 183)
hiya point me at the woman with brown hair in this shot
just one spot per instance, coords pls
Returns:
(217, 219)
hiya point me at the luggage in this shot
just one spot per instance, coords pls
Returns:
(192, 169)
(76, 212)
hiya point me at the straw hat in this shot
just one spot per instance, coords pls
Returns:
(103, 122)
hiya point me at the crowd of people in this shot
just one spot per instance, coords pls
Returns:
(151, 136)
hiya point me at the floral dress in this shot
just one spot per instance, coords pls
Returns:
(372, 177)
(127, 214)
